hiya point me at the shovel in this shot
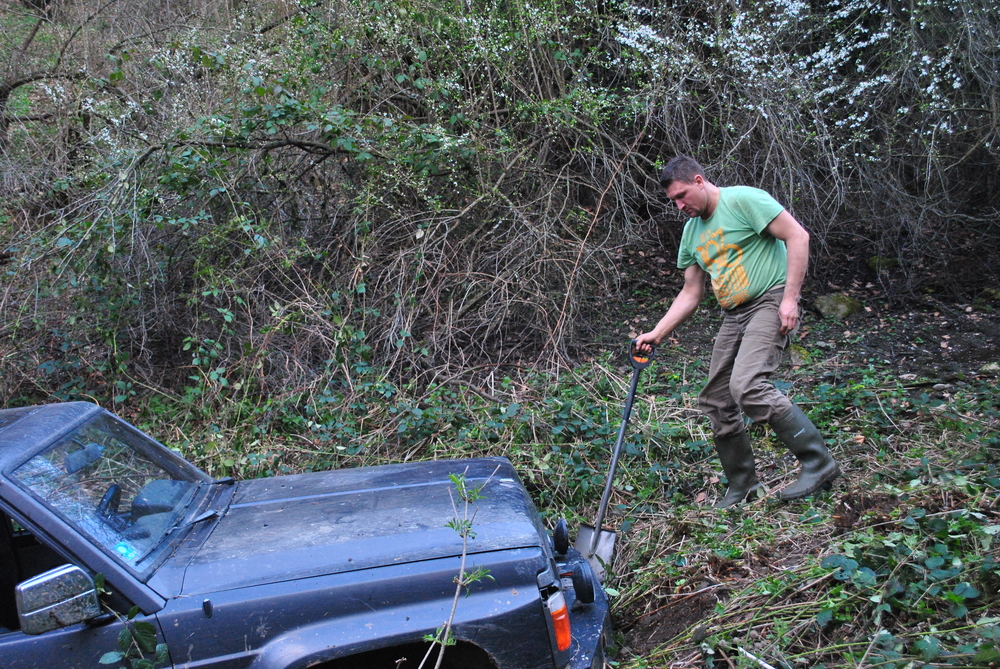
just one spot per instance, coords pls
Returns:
(596, 543)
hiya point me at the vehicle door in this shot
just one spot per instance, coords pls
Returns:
(80, 645)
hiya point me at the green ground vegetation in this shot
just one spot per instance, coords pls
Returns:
(895, 567)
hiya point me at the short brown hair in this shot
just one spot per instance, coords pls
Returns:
(681, 168)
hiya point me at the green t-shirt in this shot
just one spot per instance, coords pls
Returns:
(743, 260)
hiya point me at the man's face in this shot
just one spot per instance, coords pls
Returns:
(690, 197)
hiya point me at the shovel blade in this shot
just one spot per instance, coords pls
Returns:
(598, 553)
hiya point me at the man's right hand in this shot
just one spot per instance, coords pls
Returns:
(680, 309)
(645, 342)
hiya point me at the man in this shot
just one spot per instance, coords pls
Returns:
(756, 254)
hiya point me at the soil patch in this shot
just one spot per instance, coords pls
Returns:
(875, 508)
(672, 618)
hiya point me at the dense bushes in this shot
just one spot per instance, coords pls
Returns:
(237, 199)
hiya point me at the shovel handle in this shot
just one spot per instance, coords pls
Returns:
(639, 362)
(638, 359)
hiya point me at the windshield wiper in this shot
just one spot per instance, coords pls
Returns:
(188, 500)
(207, 515)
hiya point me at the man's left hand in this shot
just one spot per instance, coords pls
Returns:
(788, 311)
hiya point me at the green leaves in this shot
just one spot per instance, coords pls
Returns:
(136, 641)
(210, 60)
(957, 599)
(929, 648)
(845, 566)
(918, 575)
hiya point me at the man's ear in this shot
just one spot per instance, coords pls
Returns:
(699, 181)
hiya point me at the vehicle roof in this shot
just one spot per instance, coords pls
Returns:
(25, 431)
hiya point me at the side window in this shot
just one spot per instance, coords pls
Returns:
(21, 557)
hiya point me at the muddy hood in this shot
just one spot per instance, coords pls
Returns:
(293, 527)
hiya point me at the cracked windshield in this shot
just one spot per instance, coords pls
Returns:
(113, 485)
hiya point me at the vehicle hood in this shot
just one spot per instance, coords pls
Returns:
(292, 527)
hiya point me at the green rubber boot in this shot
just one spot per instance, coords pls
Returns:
(738, 462)
(797, 432)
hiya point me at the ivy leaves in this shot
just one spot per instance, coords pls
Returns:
(911, 578)
(136, 641)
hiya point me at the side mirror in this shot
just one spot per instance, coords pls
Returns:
(560, 537)
(58, 598)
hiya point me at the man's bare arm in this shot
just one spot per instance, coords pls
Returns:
(680, 310)
(790, 231)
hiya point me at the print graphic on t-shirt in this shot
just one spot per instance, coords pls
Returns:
(724, 262)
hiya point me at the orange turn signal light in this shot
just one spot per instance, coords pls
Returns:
(560, 620)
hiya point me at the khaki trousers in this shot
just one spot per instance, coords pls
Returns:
(747, 350)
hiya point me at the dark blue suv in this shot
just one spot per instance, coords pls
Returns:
(347, 568)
